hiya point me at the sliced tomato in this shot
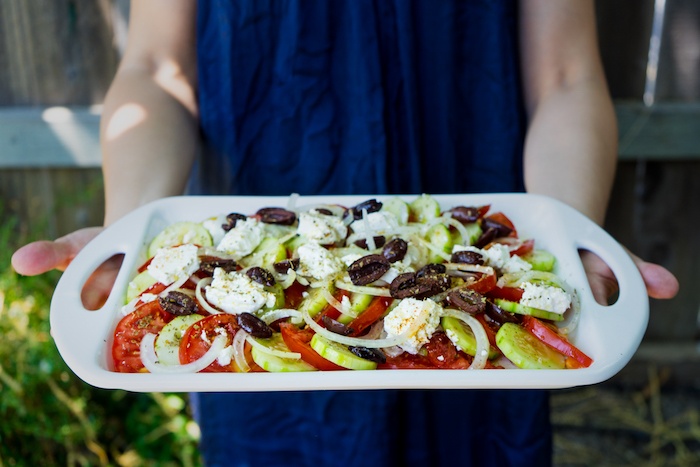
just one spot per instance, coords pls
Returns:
(512, 294)
(331, 311)
(198, 338)
(525, 247)
(293, 295)
(367, 318)
(298, 341)
(489, 328)
(407, 361)
(147, 319)
(557, 342)
(144, 266)
(483, 210)
(438, 353)
(484, 284)
(442, 353)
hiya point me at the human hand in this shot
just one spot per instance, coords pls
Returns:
(659, 281)
(42, 256)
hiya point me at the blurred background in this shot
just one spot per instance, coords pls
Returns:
(57, 58)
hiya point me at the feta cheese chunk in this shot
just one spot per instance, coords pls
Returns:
(516, 264)
(321, 228)
(243, 239)
(423, 315)
(378, 223)
(214, 226)
(172, 264)
(234, 292)
(317, 262)
(545, 297)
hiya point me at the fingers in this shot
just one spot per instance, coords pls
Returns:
(99, 285)
(600, 278)
(660, 282)
(43, 256)
(40, 257)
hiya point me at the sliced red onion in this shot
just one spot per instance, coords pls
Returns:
(238, 347)
(450, 222)
(281, 313)
(202, 299)
(150, 359)
(292, 201)
(364, 289)
(268, 350)
(356, 341)
(438, 251)
(344, 308)
(482, 340)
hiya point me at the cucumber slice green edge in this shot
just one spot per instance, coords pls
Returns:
(179, 233)
(515, 307)
(339, 354)
(273, 363)
(527, 351)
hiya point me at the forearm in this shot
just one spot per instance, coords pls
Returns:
(149, 126)
(149, 139)
(571, 148)
(571, 145)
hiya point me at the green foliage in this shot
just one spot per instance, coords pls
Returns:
(51, 417)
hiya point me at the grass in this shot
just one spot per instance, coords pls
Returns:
(49, 416)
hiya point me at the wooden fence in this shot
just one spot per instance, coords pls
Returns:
(57, 58)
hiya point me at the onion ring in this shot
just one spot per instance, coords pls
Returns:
(150, 359)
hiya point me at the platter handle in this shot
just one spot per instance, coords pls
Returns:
(622, 330)
(69, 319)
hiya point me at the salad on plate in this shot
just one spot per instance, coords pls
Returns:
(384, 284)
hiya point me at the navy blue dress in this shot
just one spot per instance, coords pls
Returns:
(368, 97)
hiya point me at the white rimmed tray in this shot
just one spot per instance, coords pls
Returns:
(610, 335)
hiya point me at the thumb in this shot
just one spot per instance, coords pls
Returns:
(42, 256)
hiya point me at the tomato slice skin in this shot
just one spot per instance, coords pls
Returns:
(512, 294)
(557, 342)
(193, 346)
(525, 247)
(298, 341)
(367, 318)
(484, 284)
(293, 295)
(149, 318)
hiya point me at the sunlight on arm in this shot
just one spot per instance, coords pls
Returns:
(124, 118)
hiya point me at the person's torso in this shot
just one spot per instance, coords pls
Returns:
(359, 96)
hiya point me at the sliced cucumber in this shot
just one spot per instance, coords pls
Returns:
(398, 208)
(515, 307)
(273, 363)
(269, 252)
(178, 234)
(527, 351)
(295, 242)
(440, 237)
(167, 344)
(424, 208)
(463, 336)
(541, 260)
(358, 303)
(138, 285)
(339, 354)
(315, 302)
(474, 231)
(278, 292)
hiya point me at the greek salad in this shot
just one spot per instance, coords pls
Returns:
(384, 284)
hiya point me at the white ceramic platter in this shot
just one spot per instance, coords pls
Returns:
(608, 334)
